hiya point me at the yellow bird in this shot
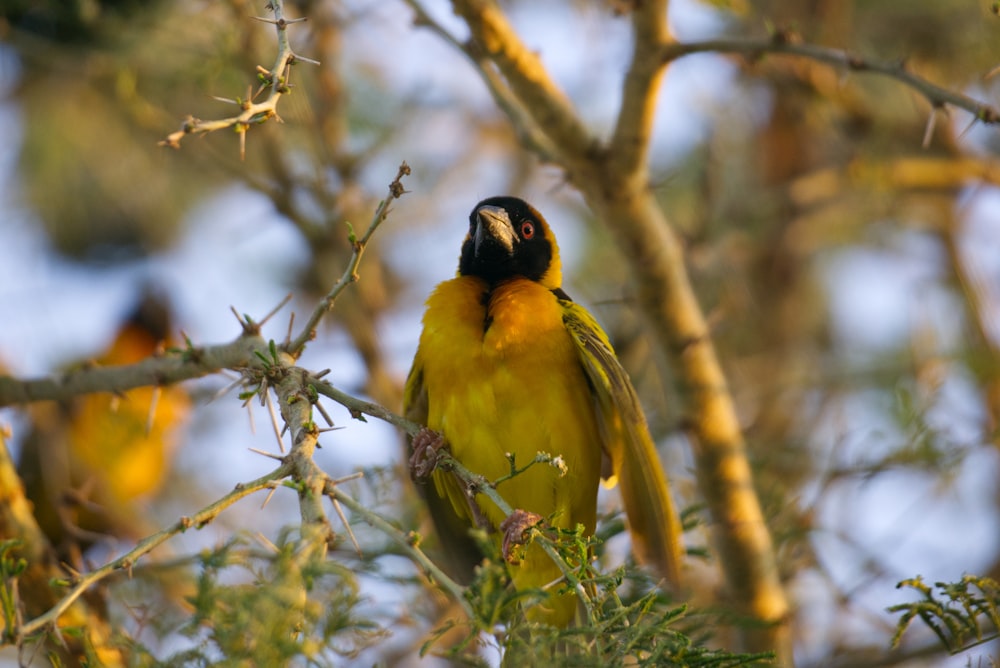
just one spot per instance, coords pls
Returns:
(508, 363)
(86, 463)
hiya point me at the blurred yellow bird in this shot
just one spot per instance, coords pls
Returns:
(86, 463)
(508, 363)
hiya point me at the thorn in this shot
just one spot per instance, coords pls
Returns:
(929, 129)
(347, 478)
(968, 127)
(322, 373)
(288, 334)
(274, 422)
(305, 60)
(275, 310)
(227, 100)
(267, 499)
(253, 427)
(326, 429)
(239, 318)
(322, 411)
(343, 518)
(264, 453)
(157, 391)
(226, 390)
(262, 393)
(263, 539)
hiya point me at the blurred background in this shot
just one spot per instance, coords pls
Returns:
(851, 273)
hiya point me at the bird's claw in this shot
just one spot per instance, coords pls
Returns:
(514, 529)
(428, 449)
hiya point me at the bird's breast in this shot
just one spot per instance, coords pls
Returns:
(502, 376)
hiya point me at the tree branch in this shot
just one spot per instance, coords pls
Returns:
(153, 371)
(630, 143)
(528, 132)
(276, 79)
(785, 44)
(350, 275)
(535, 90)
(618, 192)
(148, 544)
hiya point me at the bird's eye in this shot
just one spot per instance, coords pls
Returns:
(527, 229)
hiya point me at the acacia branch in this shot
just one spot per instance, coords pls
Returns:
(194, 362)
(527, 77)
(528, 132)
(295, 401)
(264, 367)
(468, 479)
(148, 544)
(630, 143)
(350, 275)
(785, 44)
(252, 113)
(408, 542)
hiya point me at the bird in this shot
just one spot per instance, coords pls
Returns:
(87, 462)
(508, 365)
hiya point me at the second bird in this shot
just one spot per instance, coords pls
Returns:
(508, 363)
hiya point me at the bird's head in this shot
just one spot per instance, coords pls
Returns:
(508, 238)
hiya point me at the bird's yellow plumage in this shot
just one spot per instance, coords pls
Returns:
(87, 462)
(507, 363)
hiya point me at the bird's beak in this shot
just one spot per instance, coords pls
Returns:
(494, 227)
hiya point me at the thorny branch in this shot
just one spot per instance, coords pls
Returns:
(148, 544)
(264, 368)
(529, 133)
(252, 113)
(350, 275)
(193, 362)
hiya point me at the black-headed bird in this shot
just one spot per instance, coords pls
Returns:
(508, 365)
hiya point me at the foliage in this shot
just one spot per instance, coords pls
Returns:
(961, 614)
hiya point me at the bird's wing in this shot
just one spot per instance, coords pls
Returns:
(460, 553)
(652, 518)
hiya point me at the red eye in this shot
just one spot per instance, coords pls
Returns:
(527, 229)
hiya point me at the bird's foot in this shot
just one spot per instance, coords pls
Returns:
(514, 530)
(428, 450)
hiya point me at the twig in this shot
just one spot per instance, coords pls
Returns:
(251, 113)
(781, 43)
(146, 545)
(407, 542)
(528, 132)
(358, 408)
(350, 275)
